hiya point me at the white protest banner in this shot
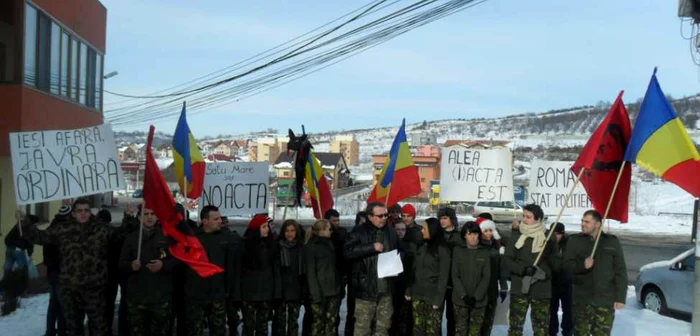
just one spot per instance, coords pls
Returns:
(61, 164)
(550, 182)
(469, 174)
(236, 188)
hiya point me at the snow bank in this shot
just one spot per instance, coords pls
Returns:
(30, 320)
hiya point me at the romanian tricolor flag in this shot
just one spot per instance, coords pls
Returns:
(399, 178)
(189, 162)
(660, 143)
(321, 197)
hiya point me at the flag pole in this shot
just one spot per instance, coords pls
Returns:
(143, 206)
(318, 198)
(289, 194)
(19, 219)
(561, 212)
(388, 191)
(607, 209)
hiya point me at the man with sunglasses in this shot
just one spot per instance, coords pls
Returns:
(82, 243)
(373, 295)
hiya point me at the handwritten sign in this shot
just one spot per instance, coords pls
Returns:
(550, 182)
(476, 174)
(236, 188)
(61, 164)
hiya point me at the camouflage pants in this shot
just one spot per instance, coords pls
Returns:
(232, 318)
(593, 320)
(539, 314)
(76, 303)
(489, 317)
(255, 318)
(214, 313)
(325, 316)
(426, 320)
(286, 320)
(366, 312)
(469, 320)
(149, 318)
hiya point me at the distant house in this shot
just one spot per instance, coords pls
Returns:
(164, 151)
(476, 143)
(127, 153)
(223, 147)
(333, 165)
(219, 158)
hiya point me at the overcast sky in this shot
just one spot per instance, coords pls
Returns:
(499, 58)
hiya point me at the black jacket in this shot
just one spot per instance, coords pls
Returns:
(52, 255)
(260, 281)
(321, 269)
(292, 275)
(359, 249)
(13, 239)
(145, 286)
(429, 274)
(338, 237)
(499, 271)
(222, 249)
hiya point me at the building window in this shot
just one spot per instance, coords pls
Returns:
(74, 69)
(43, 53)
(285, 173)
(65, 45)
(98, 81)
(83, 73)
(422, 180)
(58, 63)
(55, 58)
(30, 24)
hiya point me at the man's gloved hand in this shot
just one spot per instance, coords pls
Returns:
(470, 301)
(529, 270)
(503, 294)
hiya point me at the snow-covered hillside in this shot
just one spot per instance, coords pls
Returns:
(552, 135)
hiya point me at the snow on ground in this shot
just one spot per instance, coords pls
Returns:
(29, 320)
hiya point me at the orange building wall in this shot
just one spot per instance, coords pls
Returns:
(87, 18)
(11, 105)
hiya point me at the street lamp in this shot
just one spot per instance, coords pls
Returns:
(111, 74)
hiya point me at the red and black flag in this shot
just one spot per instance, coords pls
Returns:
(157, 196)
(602, 158)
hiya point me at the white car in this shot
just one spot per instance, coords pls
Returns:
(666, 286)
(500, 211)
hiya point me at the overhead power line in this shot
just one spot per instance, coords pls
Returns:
(316, 53)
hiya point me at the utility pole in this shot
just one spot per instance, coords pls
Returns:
(690, 9)
(696, 293)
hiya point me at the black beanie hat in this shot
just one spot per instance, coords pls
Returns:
(448, 212)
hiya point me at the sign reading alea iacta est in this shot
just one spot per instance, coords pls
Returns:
(237, 188)
(469, 174)
(550, 182)
(61, 164)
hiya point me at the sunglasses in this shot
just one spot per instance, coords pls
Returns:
(381, 216)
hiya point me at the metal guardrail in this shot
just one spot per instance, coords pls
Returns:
(674, 214)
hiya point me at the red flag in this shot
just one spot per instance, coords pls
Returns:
(158, 198)
(602, 158)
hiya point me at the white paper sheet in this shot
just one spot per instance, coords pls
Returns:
(389, 264)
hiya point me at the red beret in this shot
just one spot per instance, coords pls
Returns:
(257, 221)
(409, 209)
